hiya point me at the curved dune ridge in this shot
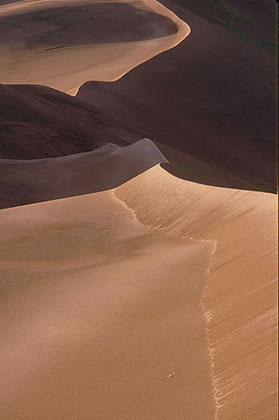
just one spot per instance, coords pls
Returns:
(108, 315)
(153, 297)
(64, 44)
(29, 181)
(239, 301)
(101, 316)
(39, 122)
(212, 97)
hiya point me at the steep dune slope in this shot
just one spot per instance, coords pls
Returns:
(38, 122)
(212, 97)
(64, 44)
(240, 298)
(101, 317)
(29, 181)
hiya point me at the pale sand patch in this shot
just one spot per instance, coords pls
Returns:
(240, 299)
(68, 67)
(101, 316)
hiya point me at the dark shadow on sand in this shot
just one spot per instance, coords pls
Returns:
(82, 25)
(217, 178)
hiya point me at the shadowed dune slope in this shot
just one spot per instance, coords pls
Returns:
(29, 181)
(211, 97)
(38, 122)
(240, 298)
(101, 317)
(64, 44)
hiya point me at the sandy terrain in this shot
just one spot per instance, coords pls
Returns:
(212, 97)
(101, 319)
(62, 44)
(154, 299)
(30, 181)
(38, 122)
(240, 300)
(105, 315)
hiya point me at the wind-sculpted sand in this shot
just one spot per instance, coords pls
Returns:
(155, 299)
(240, 298)
(101, 316)
(35, 180)
(106, 313)
(63, 44)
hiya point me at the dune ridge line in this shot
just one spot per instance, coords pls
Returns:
(227, 218)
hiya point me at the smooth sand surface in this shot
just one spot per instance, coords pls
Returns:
(35, 180)
(106, 314)
(240, 301)
(39, 122)
(101, 317)
(62, 44)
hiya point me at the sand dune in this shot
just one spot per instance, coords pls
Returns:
(38, 122)
(213, 96)
(240, 299)
(29, 181)
(154, 299)
(101, 316)
(106, 315)
(64, 44)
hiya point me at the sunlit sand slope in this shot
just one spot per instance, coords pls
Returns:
(240, 300)
(100, 317)
(63, 44)
(29, 181)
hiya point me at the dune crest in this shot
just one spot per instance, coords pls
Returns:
(34, 180)
(77, 43)
(240, 298)
(101, 317)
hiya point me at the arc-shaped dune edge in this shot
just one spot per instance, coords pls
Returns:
(67, 65)
(239, 301)
(36, 180)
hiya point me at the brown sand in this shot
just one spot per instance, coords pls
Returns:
(104, 317)
(62, 44)
(36, 180)
(240, 300)
(101, 317)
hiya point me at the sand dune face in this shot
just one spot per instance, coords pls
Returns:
(64, 44)
(107, 314)
(155, 299)
(102, 317)
(240, 299)
(211, 97)
(38, 122)
(29, 181)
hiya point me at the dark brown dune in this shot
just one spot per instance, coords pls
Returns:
(212, 97)
(64, 44)
(62, 26)
(38, 122)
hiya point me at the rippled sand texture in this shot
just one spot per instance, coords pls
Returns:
(101, 318)
(240, 298)
(63, 44)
